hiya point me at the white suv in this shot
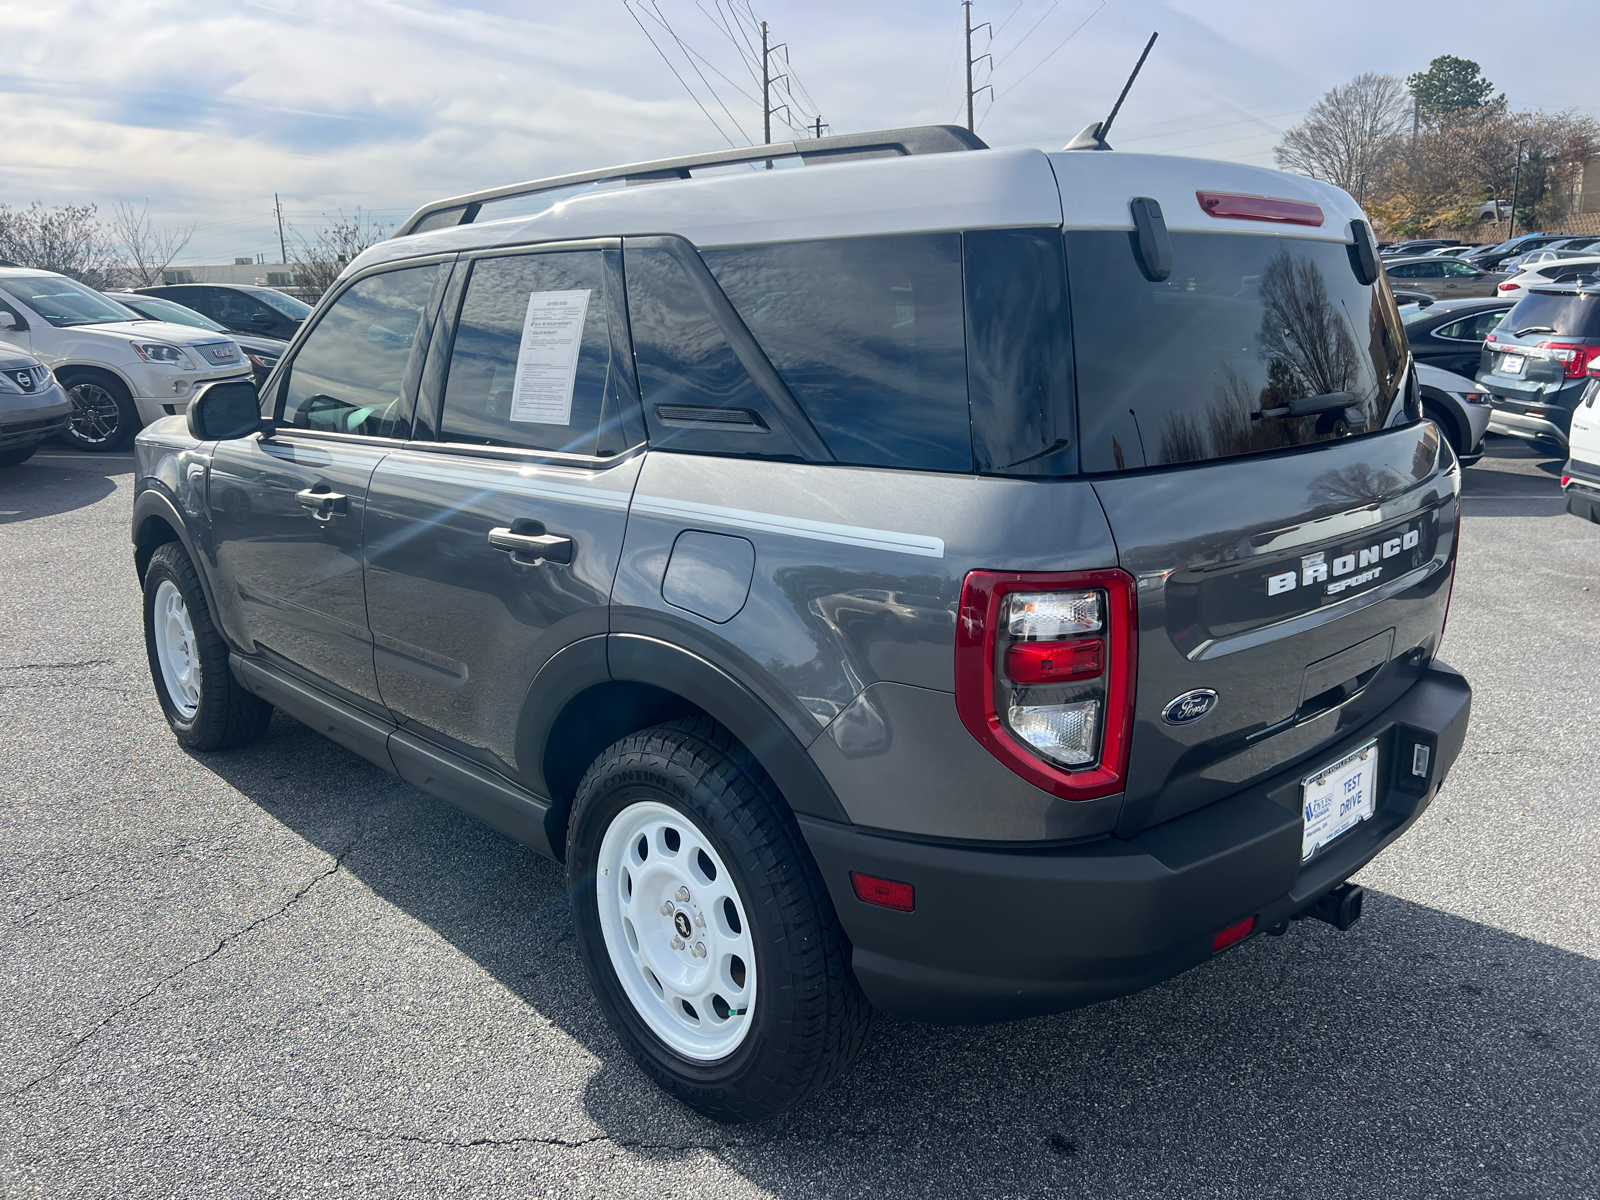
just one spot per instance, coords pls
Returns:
(119, 370)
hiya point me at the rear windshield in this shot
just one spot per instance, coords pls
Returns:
(1253, 343)
(1576, 314)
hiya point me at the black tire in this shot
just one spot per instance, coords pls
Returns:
(226, 715)
(15, 458)
(103, 414)
(810, 1018)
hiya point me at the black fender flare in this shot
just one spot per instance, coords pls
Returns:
(152, 502)
(633, 656)
(602, 659)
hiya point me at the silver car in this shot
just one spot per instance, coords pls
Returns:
(33, 408)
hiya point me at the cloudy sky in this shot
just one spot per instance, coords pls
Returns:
(208, 107)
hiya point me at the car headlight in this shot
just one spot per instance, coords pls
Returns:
(160, 352)
(265, 361)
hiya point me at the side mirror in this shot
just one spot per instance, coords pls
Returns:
(7, 321)
(227, 409)
(261, 319)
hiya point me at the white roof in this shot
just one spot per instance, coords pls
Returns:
(974, 189)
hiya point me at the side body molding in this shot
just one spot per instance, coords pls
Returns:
(649, 660)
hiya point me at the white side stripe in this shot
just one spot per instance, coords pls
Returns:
(821, 531)
(502, 481)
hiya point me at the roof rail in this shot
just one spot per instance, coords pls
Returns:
(887, 143)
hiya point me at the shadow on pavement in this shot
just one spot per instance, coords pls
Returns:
(57, 480)
(1513, 479)
(1420, 1054)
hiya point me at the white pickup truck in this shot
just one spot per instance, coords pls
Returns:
(119, 370)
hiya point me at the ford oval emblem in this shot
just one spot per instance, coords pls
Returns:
(1189, 707)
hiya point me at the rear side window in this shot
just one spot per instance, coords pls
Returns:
(1573, 314)
(1471, 329)
(349, 374)
(868, 334)
(1207, 363)
(531, 360)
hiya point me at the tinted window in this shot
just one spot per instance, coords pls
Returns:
(1019, 352)
(165, 310)
(1205, 364)
(1471, 329)
(868, 334)
(349, 374)
(1460, 270)
(532, 354)
(1575, 314)
(237, 310)
(295, 310)
(65, 302)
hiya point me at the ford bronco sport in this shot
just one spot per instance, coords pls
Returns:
(955, 582)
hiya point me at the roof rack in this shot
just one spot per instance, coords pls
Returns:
(887, 143)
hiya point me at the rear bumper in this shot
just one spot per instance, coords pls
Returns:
(1513, 424)
(1582, 489)
(999, 934)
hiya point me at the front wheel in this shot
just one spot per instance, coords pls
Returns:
(203, 703)
(705, 928)
(103, 414)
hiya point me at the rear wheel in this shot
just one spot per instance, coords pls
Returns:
(705, 929)
(103, 415)
(203, 703)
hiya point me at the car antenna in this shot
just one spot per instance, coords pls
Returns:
(1093, 136)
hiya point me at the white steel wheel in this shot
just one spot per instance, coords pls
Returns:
(177, 652)
(675, 927)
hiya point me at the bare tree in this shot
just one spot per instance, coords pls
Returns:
(146, 250)
(319, 259)
(67, 239)
(1351, 132)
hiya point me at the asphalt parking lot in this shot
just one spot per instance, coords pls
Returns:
(282, 972)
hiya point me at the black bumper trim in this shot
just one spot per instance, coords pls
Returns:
(999, 934)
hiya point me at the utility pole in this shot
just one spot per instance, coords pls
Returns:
(1361, 188)
(283, 247)
(972, 62)
(1516, 182)
(821, 126)
(767, 80)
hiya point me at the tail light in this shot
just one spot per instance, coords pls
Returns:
(1576, 358)
(1509, 287)
(1260, 208)
(1044, 675)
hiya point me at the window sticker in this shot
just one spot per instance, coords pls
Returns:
(547, 360)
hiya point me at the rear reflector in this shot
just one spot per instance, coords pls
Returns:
(1260, 208)
(885, 893)
(1566, 479)
(1232, 934)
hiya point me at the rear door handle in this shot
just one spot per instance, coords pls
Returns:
(322, 503)
(527, 541)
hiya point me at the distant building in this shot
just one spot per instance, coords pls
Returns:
(240, 270)
(1587, 199)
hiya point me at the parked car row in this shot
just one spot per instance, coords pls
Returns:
(122, 360)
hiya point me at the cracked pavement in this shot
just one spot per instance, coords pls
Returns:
(282, 972)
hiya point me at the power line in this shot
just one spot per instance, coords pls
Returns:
(690, 55)
(679, 77)
(1001, 62)
(1052, 53)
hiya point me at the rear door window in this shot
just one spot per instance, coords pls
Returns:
(530, 366)
(1207, 363)
(868, 334)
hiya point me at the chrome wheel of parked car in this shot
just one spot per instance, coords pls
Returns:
(675, 926)
(102, 419)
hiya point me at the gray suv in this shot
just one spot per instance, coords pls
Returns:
(952, 582)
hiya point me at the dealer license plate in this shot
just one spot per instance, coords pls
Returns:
(1513, 364)
(1338, 798)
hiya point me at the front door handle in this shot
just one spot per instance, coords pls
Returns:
(527, 541)
(323, 503)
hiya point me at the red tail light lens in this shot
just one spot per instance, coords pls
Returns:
(1260, 208)
(1509, 287)
(1575, 358)
(1045, 675)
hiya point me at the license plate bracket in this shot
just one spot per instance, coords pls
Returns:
(1513, 364)
(1337, 798)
